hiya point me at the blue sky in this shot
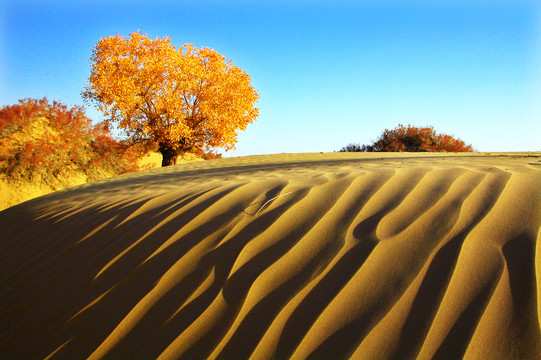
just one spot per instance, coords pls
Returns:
(328, 73)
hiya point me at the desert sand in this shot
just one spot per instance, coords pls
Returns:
(15, 192)
(302, 256)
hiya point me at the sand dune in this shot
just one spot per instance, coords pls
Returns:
(302, 256)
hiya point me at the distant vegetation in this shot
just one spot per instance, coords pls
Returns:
(411, 139)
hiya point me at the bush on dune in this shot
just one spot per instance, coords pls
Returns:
(49, 142)
(206, 155)
(356, 148)
(412, 139)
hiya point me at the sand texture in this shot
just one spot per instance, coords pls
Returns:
(302, 256)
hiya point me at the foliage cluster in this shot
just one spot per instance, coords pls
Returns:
(176, 100)
(412, 139)
(49, 142)
(207, 155)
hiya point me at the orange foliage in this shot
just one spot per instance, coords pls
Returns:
(415, 139)
(48, 142)
(176, 100)
(209, 155)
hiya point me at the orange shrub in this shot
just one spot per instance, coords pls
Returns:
(206, 155)
(412, 139)
(416, 139)
(48, 142)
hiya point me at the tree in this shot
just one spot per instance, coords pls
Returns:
(173, 100)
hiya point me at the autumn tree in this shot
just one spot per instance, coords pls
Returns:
(171, 99)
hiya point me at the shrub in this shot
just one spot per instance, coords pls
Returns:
(412, 139)
(357, 148)
(416, 139)
(51, 142)
(206, 155)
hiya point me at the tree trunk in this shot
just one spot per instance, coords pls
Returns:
(169, 154)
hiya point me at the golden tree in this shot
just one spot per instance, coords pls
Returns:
(169, 99)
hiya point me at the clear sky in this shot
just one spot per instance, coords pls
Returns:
(328, 73)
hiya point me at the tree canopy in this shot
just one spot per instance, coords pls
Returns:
(173, 100)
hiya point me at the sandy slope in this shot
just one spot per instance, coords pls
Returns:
(369, 256)
(13, 192)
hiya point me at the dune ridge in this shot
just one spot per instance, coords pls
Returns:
(368, 256)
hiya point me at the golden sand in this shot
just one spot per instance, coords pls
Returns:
(13, 192)
(303, 256)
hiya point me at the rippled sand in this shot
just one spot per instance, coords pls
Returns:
(320, 256)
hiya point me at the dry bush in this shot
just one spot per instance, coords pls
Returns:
(357, 148)
(209, 155)
(46, 142)
(412, 139)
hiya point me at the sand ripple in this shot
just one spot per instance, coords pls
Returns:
(318, 256)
